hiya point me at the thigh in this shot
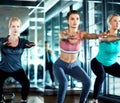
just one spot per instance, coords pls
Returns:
(113, 70)
(78, 73)
(49, 66)
(59, 72)
(3, 77)
(97, 67)
(20, 76)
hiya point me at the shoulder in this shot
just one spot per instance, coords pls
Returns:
(3, 39)
(23, 39)
(81, 33)
(50, 51)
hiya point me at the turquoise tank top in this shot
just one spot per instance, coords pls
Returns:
(108, 52)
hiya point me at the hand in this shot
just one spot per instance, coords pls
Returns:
(63, 35)
(30, 44)
(103, 35)
(12, 38)
(64, 32)
(8, 43)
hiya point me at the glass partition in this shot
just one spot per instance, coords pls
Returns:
(95, 25)
(36, 54)
(52, 36)
(32, 18)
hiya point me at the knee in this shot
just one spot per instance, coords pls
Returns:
(87, 83)
(102, 76)
(63, 84)
(26, 84)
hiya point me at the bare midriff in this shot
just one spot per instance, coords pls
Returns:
(68, 57)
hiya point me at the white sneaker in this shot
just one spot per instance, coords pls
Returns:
(95, 101)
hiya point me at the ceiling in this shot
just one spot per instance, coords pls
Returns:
(22, 9)
(19, 8)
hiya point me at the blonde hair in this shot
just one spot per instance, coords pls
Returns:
(110, 18)
(14, 19)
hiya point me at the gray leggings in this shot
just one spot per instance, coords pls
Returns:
(62, 68)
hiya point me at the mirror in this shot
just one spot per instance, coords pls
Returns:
(31, 14)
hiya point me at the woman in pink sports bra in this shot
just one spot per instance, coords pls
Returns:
(67, 63)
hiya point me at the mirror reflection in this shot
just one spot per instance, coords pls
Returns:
(31, 14)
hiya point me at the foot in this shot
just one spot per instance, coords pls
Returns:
(23, 101)
(53, 85)
(95, 101)
(1, 101)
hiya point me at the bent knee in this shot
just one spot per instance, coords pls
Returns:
(64, 84)
(87, 83)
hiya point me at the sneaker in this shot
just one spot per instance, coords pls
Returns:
(53, 86)
(1, 101)
(23, 101)
(95, 101)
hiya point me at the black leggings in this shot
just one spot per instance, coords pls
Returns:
(49, 67)
(100, 72)
(21, 77)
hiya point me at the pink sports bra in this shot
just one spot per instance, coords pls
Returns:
(67, 47)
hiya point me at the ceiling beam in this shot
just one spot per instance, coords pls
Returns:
(21, 3)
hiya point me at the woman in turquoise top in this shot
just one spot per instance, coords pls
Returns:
(105, 61)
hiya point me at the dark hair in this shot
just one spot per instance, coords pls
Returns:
(71, 12)
(46, 42)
